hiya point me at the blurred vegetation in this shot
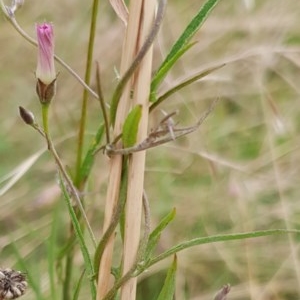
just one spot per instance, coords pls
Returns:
(239, 172)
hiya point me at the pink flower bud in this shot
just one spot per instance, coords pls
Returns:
(45, 71)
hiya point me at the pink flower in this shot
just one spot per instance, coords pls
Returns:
(45, 71)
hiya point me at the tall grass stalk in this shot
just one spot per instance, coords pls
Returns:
(142, 19)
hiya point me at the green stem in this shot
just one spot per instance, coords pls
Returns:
(87, 79)
(68, 276)
(45, 110)
(45, 116)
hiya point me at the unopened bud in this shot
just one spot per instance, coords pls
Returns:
(26, 115)
(45, 71)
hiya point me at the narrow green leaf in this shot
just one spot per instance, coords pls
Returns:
(89, 159)
(164, 69)
(218, 238)
(184, 40)
(131, 126)
(185, 83)
(80, 237)
(78, 286)
(168, 289)
(66, 248)
(51, 250)
(156, 233)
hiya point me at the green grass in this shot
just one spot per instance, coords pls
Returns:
(239, 172)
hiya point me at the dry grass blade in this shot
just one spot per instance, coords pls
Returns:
(15, 175)
(120, 9)
(133, 210)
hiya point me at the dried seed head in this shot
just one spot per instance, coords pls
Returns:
(13, 284)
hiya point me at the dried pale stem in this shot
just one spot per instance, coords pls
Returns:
(142, 52)
(128, 54)
(143, 19)
(104, 275)
(141, 251)
(114, 220)
(132, 44)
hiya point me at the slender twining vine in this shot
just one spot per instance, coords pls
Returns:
(123, 138)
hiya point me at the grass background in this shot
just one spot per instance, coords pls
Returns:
(239, 172)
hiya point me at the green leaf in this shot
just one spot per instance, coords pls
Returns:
(156, 233)
(80, 237)
(78, 286)
(89, 159)
(217, 238)
(164, 69)
(51, 250)
(131, 126)
(182, 44)
(185, 83)
(168, 289)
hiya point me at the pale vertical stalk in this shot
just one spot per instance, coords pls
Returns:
(104, 276)
(133, 209)
(128, 54)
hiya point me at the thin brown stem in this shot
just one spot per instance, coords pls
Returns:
(102, 103)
